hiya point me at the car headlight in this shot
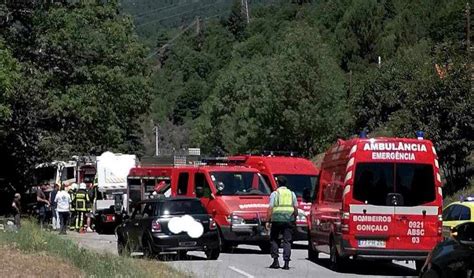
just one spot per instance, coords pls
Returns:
(235, 220)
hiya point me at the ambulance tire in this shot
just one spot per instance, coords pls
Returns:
(313, 255)
(419, 265)
(336, 262)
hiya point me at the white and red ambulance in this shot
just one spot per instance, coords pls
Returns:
(378, 198)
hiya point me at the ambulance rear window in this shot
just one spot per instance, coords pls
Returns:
(414, 183)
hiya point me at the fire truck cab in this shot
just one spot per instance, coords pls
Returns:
(378, 198)
(237, 197)
(302, 177)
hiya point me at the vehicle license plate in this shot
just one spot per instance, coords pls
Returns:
(372, 243)
(188, 243)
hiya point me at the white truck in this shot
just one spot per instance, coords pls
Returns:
(56, 172)
(112, 172)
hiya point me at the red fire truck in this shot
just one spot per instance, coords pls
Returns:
(378, 198)
(236, 197)
(301, 174)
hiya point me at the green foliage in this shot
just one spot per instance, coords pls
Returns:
(83, 89)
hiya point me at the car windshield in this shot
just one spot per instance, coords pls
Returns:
(412, 184)
(300, 183)
(240, 183)
(181, 207)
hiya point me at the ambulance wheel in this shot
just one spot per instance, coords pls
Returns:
(313, 255)
(419, 265)
(336, 262)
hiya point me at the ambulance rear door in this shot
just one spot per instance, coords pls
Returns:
(371, 215)
(416, 216)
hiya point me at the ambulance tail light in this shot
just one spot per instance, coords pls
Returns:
(345, 216)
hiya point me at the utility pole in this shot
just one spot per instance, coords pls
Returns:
(245, 9)
(155, 129)
(468, 29)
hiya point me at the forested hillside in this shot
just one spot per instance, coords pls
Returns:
(297, 77)
(88, 76)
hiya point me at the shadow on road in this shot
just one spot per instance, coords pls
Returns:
(363, 267)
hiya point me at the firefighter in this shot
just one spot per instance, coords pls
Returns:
(282, 213)
(72, 206)
(82, 202)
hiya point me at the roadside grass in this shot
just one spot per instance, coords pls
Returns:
(465, 192)
(32, 240)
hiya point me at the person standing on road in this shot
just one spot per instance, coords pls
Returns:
(63, 200)
(282, 215)
(41, 204)
(16, 206)
(55, 215)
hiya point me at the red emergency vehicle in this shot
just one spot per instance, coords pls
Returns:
(301, 174)
(378, 198)
(237, 197)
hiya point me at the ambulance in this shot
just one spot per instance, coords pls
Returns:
(237, 197)
(378, 198)
(301, 175)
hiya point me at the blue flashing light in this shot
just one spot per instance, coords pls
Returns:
(420, 134)
(363, 134)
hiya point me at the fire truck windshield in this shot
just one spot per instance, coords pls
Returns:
(300, 183)
(375, 182)
(240, 183)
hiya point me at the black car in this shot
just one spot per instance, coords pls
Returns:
(453, 257)
(165, 225)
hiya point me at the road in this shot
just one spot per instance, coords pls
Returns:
(248, 261)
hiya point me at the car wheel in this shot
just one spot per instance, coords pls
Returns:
(313, 255)
(123, 248)
(147, 249)
(335, 260)
(182, 254)
(213, 254)
(265, 247)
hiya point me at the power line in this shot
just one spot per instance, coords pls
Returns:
(176, 15)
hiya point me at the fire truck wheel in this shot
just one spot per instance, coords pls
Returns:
(335, 260)
(313, 255)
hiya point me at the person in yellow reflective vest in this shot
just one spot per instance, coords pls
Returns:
(82, 205)
(282, 214)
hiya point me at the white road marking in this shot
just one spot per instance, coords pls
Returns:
(240, 272)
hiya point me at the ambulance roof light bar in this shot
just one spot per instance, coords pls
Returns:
(420, 134)
(363, 134)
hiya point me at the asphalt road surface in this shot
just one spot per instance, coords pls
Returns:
(248, 261)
